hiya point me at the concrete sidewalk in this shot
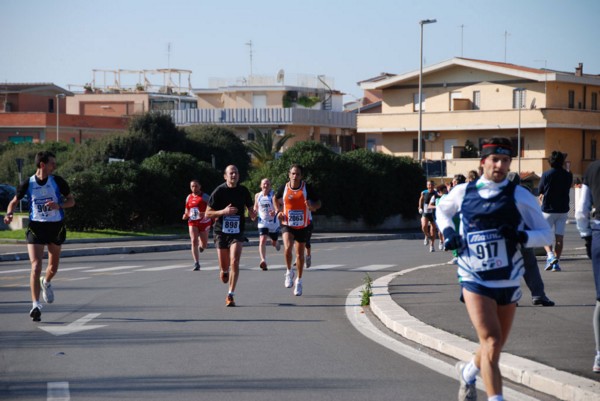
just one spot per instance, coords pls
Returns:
(550, 349)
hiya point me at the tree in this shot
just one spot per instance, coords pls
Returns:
(207, 141)
(264, 147)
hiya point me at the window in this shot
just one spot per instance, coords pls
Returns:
(476, 100)
(519, 98)
(571, 99)
(416, 101)
(50, 105)
(594, 101)
(593, 145)
(251, 136)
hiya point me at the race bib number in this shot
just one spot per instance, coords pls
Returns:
(487, 250)
(231, 224)
(194, 213)
(296, 218)
(43, 210)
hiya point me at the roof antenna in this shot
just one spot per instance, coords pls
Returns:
(249, 44)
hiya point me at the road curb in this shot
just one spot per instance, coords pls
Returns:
(539, 377)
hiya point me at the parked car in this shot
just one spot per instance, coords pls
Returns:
(7, 192)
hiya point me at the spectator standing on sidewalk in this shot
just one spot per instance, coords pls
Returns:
(295, 200)
(227, 204)
(554, 189)
(198, 223)
(532, 276)
(497, 219)
(48, 195)
(588, 225)
(268, 223)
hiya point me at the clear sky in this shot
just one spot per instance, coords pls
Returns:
(62, 41)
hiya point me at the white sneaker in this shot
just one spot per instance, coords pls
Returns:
(426, 241)
(454, 261)
(47, 291)
(298, 287)
(308, 261)
(432, 248)
(466, 392)
(441, 246)
(289, 278)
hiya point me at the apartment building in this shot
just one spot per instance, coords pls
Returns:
(36, 112)
(540, 110)
(309, 109)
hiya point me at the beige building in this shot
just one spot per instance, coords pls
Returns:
(310, 110)
(470, 100)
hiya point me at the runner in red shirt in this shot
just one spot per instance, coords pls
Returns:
(198, 223)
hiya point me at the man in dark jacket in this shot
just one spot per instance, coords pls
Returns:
(554, 189)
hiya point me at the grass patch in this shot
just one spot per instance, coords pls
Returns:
(366, 292)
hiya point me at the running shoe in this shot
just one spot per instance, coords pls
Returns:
(596, 367)
(263, 265)
(36, 314)
(426, 241)
(224, 276)
(467, 391)
(432, 248)
(550, 262)
(298, 288)
(200, 249)
(308, 261)
(229, 302)
(544, 301)
(47, 291)
(441, 246)
(556, 267)
(277, 246)
(289, 278)
(196, 266)
(453, 261)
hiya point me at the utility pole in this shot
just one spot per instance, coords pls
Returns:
(462, 31)
(249, 44)
(506, 35)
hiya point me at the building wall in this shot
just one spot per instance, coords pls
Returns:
(108, 104)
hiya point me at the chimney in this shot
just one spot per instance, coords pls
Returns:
(579, 70)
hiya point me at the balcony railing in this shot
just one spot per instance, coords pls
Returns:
(264, 117)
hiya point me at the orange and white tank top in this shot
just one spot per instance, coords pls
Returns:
(294, 206)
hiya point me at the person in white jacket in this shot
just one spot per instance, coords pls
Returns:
(497, 217)
(588, 225)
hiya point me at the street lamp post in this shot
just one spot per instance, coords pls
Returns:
(58, 97)
(419, 150)
(520, 106)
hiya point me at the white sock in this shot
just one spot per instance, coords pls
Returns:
(470, 372)
(496, 398)
(36, 304)
(550, 254)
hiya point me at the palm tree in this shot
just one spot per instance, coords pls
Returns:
(264, 147)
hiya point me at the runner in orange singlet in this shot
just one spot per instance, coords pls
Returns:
(295, 201)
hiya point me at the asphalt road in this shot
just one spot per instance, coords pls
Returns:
(144, 326)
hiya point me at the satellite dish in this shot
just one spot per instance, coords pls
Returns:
(532, 104)
(280, 76)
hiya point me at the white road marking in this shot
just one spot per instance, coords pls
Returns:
(76, 326)
(372, 268)
(323, 267)
(160, 268)
(58, 391)
(110, 269)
